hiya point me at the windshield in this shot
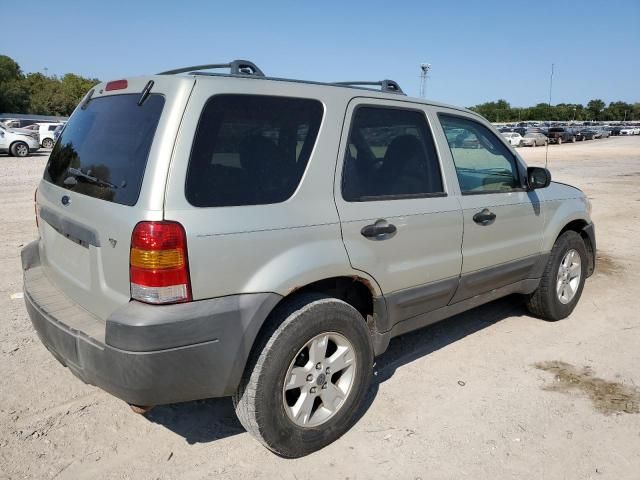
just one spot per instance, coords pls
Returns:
(103, 150)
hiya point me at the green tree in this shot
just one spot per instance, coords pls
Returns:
(595, 108)
(13, 96)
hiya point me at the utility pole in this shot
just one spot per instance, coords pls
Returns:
(424, 67)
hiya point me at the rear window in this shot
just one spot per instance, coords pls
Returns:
(251, 149)
(103, 150)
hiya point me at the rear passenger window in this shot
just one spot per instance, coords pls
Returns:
(251, 149)
(390, 155)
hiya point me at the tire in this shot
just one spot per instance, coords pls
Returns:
(573, 139)
(20, 149)
(545, 302)
(534, 144)
(261, 404)
(559, 140)
(47, 143)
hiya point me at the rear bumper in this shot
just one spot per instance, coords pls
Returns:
(145, 354)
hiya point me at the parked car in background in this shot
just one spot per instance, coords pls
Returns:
(46, 133)
(605, 132)
(627, 131)
(57, 131)
(586, 134)
(19, 122)
(561, 135)
(534, 140)
(514, 138)
(18, 143)
(614, 131)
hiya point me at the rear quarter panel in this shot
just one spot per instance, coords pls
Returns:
(263, 248)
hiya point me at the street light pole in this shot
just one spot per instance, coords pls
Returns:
(424, 67)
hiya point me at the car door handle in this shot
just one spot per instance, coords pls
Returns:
(381, 230)
(485, 217)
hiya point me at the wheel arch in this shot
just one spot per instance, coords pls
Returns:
(360, 292)
(580, 226)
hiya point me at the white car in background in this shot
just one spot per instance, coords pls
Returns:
(46, 130)
(514, 138)
(17, 142)
(627, 131)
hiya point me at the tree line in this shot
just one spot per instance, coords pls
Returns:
(502, 111)
(39, 94)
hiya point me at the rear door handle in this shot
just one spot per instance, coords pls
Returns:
(484, 217)
(381, 230)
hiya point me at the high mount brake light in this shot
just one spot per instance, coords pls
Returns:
(159, 268)
(116, 85)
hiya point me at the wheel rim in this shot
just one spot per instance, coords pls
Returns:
(319, 379)
(22, 150)
(48, 143)
(569, 275)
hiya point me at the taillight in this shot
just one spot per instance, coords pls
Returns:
(159, 268)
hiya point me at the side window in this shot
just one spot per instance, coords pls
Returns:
(483, 163)
(251, 149)
(390, 154)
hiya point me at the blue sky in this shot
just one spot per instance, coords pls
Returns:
(480, 50)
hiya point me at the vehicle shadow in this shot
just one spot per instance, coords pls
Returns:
(205, 421)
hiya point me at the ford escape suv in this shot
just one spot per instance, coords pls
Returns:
(205, 235)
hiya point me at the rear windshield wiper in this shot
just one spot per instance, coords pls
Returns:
(145, 92)
(77, 173)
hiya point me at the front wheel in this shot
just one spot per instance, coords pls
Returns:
(47, 143)
(306, 383)
(20, 149)
(563, 279)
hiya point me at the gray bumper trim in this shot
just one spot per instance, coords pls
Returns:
(156, 355)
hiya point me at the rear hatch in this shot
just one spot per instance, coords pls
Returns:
(106, 173)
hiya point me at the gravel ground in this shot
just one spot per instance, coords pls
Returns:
(493, 393)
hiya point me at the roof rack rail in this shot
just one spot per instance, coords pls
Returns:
(385, 85)
(237, 67)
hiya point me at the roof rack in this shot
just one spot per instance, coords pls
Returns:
(237, 67)
(385, 85)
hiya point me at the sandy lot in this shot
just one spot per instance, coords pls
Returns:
(493, 393)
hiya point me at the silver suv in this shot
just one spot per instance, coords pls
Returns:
(207, 235)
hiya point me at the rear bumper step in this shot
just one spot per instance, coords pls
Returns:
(147, 354)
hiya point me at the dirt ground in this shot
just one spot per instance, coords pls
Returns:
(493, 393)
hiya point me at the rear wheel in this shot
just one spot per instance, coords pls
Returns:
(563, 279)
(20, 149)
(307, 381)
(47, 143)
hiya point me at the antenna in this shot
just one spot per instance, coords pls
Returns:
(546, 153)
(424, 67)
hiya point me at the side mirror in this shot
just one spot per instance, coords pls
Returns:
(538, 177)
